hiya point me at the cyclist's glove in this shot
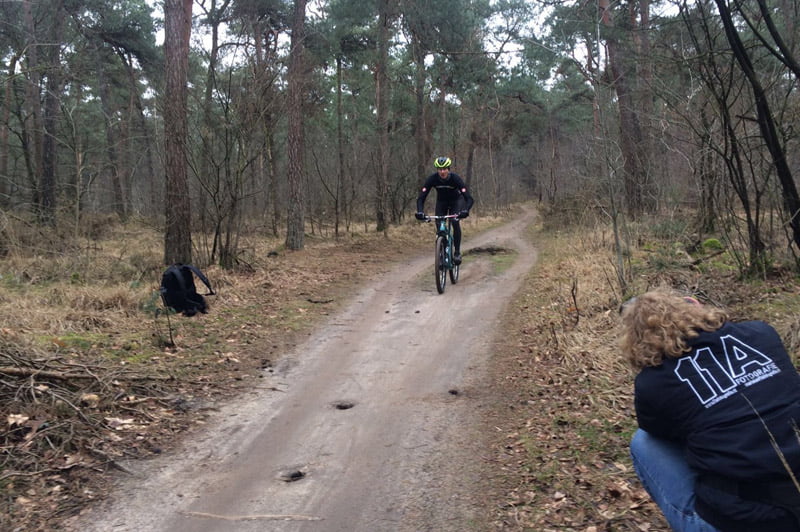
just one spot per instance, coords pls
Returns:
(420, 215)
(463, 214)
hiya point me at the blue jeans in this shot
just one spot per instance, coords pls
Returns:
(664, 473)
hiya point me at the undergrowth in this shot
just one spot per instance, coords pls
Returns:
(566, 417)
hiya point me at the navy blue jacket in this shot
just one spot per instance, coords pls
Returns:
(716, 400)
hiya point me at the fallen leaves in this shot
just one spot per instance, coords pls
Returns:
(564, 452)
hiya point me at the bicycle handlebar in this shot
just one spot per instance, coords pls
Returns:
(446, 216)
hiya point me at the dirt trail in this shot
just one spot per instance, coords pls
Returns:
(371, 429)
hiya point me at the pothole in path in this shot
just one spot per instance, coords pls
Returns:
(292, 474)
(343, 405)
(490, 250)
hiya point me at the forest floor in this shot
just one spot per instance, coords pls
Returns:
(91, 378)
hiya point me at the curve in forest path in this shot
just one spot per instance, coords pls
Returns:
(373, 428)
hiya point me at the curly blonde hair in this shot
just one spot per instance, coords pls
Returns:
(660, 322)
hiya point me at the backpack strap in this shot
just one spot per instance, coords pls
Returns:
(202, 277)
(179, 276)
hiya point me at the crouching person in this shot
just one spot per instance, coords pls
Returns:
(718, 408)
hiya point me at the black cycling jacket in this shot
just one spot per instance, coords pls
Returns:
(448, 191)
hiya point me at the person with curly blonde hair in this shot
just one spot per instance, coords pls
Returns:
(718, 409)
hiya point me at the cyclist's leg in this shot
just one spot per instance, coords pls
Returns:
(457, 237)
(664, 473)
(443, 208)
(455, 208)
(452, 207)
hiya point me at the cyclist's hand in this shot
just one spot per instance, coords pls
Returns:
(420, 215)
(463, 214)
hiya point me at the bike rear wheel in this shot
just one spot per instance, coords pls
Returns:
(440, 264)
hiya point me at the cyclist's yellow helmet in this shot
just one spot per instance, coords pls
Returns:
(442, 162)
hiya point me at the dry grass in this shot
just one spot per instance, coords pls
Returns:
(564, 447)
(565, 407)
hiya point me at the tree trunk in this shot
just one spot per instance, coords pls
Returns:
(471, 147)
(4, 145)
(382, 118)
(118, 200)
(48, 179)
(207, 173)
(272, 182)
(630, 129)
(421, 136)
(32, 129)
(766, 123)
(644, 102)
(177, 29)
(339, 144)
(708, 179)
(295, 221)
(266, 158)
(147, 142)
(736, 173)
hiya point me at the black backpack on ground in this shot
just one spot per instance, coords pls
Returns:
(178, 291)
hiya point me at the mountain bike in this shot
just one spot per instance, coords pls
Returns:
(443, 254)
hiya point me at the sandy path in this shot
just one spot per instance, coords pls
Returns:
(403, 457)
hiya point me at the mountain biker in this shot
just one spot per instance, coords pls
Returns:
(452, 197)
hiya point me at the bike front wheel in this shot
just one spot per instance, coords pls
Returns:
(454, 273)
(440, 264)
